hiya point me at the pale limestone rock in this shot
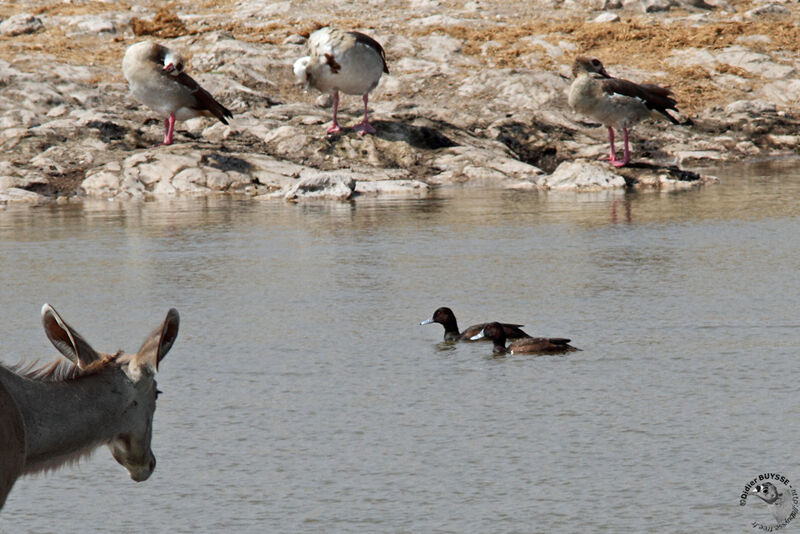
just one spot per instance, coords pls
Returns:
(14, 194)
(480, 166)
(103, 183)
(191, 180)
(437, 20)
(582, 176)
(752, 108)
(165, 189)
(226, 181)
(785, 92)
(317, 185)
(767, 10)
(606, 17)
(692, 56)
(784, 140)
(20, 24)
(325, 100)
(95, 24)
(753, 62)
(748, 148)
(295, 39)
(440, 47)
(15, 118)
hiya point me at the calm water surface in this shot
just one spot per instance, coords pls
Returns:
(302, 396)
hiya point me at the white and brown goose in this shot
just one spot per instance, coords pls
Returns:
(156, 79)
(615, 102)
(345, 61)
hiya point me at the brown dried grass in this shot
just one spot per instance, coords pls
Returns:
(165, 24)
(640, 42)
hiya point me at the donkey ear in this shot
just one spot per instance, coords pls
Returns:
(160, 341)
(66, 340)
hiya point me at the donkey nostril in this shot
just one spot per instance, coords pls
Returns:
(152, 464)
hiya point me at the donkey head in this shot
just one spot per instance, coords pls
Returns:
(131, 378)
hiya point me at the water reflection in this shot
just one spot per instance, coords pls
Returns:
(302, 395)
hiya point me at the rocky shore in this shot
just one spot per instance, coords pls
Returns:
(476, 95)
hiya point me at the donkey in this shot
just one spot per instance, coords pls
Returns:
(60, 412)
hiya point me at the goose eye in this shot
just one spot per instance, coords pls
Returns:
(179, 67)
(596, 62)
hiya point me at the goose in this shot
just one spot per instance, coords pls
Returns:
(346, 61)
(526, 345)
(615, 102)
(445, 317)
(156, 79)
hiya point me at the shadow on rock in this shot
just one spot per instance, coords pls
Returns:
(226, 163)
(108, 130)
(424, 137)
(533, 144)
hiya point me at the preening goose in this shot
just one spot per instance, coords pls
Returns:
(345, 61)
(156, 79)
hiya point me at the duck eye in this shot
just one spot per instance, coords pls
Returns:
(596, 62)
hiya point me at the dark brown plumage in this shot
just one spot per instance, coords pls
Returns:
(203, 99)
(527, 345)
(445, 317)
(654, 97)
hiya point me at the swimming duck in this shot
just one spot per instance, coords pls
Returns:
(527, 345)
(615, 102)
(346, 61)
(156, 79)
(445, 317)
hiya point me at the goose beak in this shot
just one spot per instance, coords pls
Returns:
(426, 321)
(478, 336)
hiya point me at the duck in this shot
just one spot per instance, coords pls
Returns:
(778, 501)
(346, 61)
(527, 345)
(156, 79)
(445, 317)
(615, 102)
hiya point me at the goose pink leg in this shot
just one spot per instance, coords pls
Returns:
(612, 156)
(169, 129)
(334, 128)
(626, 155)
(364, 127)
